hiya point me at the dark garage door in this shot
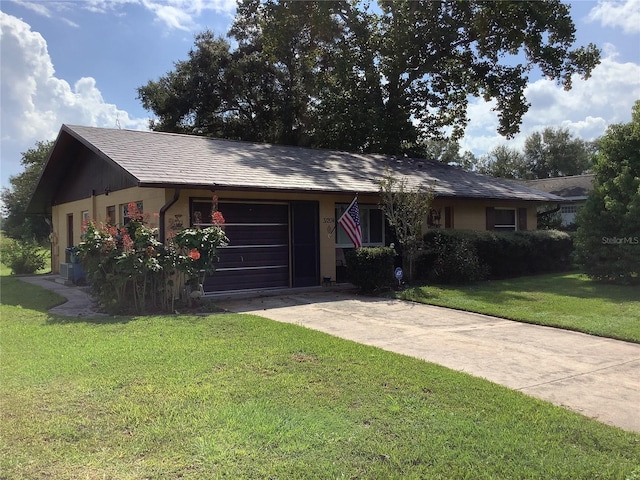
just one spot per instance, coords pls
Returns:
(258, 251)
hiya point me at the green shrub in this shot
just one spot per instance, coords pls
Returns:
(22, 256)
(371, 268)
(450, 257)
(459, 256)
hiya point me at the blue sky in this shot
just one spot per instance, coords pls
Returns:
(80, 62)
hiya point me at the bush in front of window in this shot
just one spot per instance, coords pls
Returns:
(371, 268)
(450, 257)
(464, 256)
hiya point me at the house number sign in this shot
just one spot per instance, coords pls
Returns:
(330, 222)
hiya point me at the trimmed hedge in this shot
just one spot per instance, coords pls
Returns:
(371, 268)
(449, 259)
(460, 256)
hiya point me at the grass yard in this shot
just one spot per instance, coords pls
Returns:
(238, 396)
(566, 300)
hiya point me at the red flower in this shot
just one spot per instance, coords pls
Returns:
(85, 224)
(133, 212)
(194, 254)
(127, 243)
(217, 218)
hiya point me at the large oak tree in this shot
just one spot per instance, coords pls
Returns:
(342, 74)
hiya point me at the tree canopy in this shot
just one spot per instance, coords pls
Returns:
(16, 223)
(343, 74)
(554, 152)
(504, 162)
(557, 153)
(608, 236)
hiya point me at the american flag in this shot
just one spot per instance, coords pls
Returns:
(350, 221)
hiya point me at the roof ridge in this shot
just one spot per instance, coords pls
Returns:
(248, 142)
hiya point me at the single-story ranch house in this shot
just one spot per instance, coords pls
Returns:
(280, 203)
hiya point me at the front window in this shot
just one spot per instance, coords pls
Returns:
(371, 224)
(505, 219)
(111, 215)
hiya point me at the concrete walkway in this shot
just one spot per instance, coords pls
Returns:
(597, 377)
(79, 303)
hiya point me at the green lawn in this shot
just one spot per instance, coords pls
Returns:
(567, 300)
(238, 396)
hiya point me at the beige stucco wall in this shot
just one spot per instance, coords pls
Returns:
(468, 214)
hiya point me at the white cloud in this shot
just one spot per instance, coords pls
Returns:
(586, 110)
(172, 17)
(616, 13)
(183, 14)
(49, 9)
(174, 14)
(35, 102)
(70, 23)
(39, 8)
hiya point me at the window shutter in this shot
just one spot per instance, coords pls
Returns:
(522, 219)
(448, 217)
(491, 218)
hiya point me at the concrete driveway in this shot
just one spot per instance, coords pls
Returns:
(597, 377)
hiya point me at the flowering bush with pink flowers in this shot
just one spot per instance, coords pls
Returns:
(131, 271)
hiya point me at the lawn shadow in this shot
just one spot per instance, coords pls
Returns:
(100, 318)
(18, 293)
(477, 292)
(54, 319)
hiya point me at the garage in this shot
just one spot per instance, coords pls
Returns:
(271, 245)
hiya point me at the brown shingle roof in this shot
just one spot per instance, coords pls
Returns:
(172, 159)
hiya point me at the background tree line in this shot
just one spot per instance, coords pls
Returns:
(554, 152)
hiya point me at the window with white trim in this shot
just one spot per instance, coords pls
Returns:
(371, 224)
